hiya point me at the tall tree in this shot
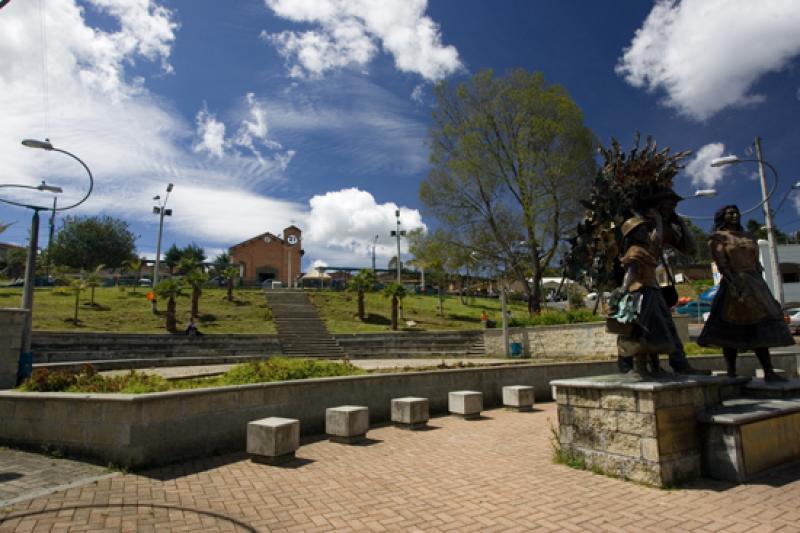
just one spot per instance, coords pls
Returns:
(759, 231)
(14, 263)
(170, 289)
(85, 242)
(230, 274)
(136, 264)
(435, 253)
(361, 283)
(509, 156)
(195, 276)
(194, 252)
(396, 292)
(172, 257)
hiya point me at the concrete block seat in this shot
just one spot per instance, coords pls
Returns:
(465, 403)
(346, 424)
(745, 437)
(273, 440)
(410, 412)
(758, 388)
(518, 397)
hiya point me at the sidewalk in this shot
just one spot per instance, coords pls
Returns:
(492, 474)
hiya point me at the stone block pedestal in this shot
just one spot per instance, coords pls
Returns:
(346, 424)
(410, 412)
(465, 403)
(273, 440)
(645, 431)
(518, 397)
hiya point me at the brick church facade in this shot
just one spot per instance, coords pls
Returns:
(268, 257)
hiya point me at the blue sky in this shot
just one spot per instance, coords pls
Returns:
(315, 112)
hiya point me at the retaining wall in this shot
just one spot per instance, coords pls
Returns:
(159, 428)
(12, 321)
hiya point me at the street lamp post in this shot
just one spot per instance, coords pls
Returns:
(161, 211)
(374, 243)
(398, 233)
(777, 279)
(26, 357)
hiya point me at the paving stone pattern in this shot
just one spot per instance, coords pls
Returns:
(23, 474)
(491, 474)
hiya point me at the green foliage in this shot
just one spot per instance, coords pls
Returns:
(172, 257)
(692, 348)
(14, 265)
(361, 283)
(509, 158)
(556, 317)
(85, 242)
(133, 382)
(88, 381)
(170, 289)
(194, 252)
(282, 369)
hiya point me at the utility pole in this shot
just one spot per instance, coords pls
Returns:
(374, 243)
(777, 278)
(161, 212)
(397, 233)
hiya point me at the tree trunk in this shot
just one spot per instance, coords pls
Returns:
(361, 305)
(230, 289)
(92, 297)
(195, 300)
(77, 301)
(171, 322)
(394, 312)
(441, 300)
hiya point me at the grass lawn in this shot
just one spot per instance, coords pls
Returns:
(122, 310)
(339, 309)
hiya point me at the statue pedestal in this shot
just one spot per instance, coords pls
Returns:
(644, 431)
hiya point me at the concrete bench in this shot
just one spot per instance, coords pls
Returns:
(465, 403)
(410, 412)
(346, 424)
(747, 436)
(518, 397)
(273, 440)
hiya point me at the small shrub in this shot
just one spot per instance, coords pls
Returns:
(87, 380)
(282, 369)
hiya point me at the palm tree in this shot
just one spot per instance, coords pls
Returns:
(361, 283)
(396, 292)
(93, 281)
(230, 274)
(170, 289)
(77, 285)
(136, 264)
(195, 276)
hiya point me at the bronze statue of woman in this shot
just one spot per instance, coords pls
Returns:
(744, 314)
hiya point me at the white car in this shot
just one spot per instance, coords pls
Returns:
(794, 319)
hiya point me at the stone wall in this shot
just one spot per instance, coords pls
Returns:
(568, 340)
(565, 340)
(159, 428)
(11, 323)
(642, 431)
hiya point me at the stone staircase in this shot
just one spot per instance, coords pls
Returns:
(301, 332)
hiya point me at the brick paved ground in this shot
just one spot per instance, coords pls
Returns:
(493, 474)
(25, 474)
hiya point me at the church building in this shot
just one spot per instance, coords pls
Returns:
(267, 257)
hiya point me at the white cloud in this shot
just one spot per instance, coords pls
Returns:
(700, 170)
(211, 133)
(348, 221)
(416, 94)
(135, 142)
(350, 31)
(707, 54)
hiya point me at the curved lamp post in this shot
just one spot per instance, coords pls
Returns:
(26, 357)
(777, 280)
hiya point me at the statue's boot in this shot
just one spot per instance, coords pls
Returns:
(766, 364)
(655, 364)
(639, 367)
(730, 361)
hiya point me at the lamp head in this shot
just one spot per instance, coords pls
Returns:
(169, 187)
(157, 197)
(705, 193)
(727, 160)
(49, 188)
(33, 143)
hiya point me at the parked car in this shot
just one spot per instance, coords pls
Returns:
(793, 316)
(145, 282)
(694, 308)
